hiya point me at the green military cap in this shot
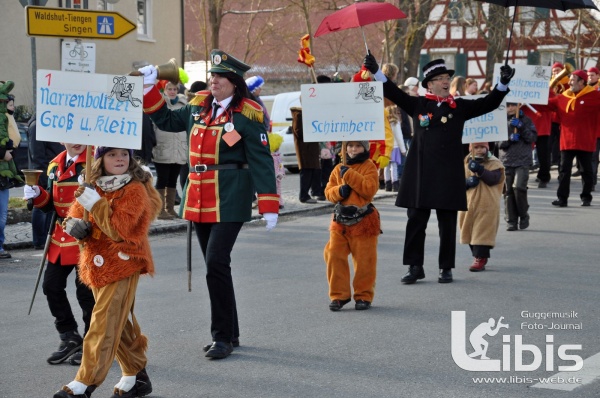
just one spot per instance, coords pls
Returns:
(223, 63)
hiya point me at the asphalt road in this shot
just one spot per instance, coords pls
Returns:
(293, 346)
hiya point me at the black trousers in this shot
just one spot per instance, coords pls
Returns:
(564, 175)
(310, 179)
(326, 169)
(543, 151)
(54, 285)
(166, 175)
(216, 241)
(555, 143)
(414, 242)
(481, 251)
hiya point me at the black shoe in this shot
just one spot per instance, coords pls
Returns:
(415, 272)
(445, 276)
(141, 388)
(235, 343)
(559, 203)
(64, 394)
(362, 305)
(576, 174)
(71, 342)
(337, 305)
(542, 184)
(311, 201)
(511, 227)
(5, 254)
(75, 359)
(219, 350)
(321, 198)
(524, 223)
(586, 203)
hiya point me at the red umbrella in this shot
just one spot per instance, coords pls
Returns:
(358, 15)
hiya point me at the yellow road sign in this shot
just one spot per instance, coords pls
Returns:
(80, 24)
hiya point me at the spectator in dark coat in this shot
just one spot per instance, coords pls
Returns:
(308, 161)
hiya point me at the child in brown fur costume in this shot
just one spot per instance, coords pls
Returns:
(122, 204)
(354, 230)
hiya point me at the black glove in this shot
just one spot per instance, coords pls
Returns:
(343, 170)
(371, 63)
(77, 228)
(472, 182)
(345, 191)
(506, 73)
(476, 167)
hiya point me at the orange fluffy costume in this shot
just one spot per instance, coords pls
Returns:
(358, 240)
(114, 255)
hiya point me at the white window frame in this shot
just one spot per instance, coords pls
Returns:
(147, 35)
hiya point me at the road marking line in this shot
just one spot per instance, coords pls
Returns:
(589, 373)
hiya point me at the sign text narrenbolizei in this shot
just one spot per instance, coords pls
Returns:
(90, 109)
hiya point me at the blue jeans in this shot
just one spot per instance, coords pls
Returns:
(4, 194)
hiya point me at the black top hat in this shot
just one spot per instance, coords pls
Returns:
(433, 69)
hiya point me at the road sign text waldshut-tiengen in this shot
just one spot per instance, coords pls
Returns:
(59, 22)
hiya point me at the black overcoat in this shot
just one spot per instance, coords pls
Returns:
(434, 176)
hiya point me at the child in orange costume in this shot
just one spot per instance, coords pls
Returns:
(122, 203)
(354, 230)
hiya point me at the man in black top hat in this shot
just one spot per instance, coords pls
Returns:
(434, 177)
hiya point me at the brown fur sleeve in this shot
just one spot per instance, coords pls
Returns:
(102, 217)
(132, 212)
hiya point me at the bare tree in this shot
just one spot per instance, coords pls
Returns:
(410, 35)
(492, 28)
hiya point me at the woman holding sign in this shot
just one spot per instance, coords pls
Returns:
(229, 160)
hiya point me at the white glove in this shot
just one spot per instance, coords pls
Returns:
(77, 228)
(31, 192)
(81, 179)
(88, 198)
(271, 219)
(150, 74)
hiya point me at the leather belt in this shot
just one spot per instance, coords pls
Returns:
(201, 168)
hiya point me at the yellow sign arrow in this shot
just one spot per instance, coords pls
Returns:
(80, 24)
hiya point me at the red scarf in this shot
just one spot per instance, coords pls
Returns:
(449, 99)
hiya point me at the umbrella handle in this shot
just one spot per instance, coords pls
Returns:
(365, 39)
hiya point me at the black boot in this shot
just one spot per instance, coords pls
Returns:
(522, 208)
(396, 186)
(415, 272)
(70, 343)
(388, 186)
(142, 387)
(510, 212)
(445, 276)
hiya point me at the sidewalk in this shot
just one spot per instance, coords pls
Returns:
(18, 236)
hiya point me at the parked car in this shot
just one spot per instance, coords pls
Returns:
(20, 154)
(288, 150)
(281, 116)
